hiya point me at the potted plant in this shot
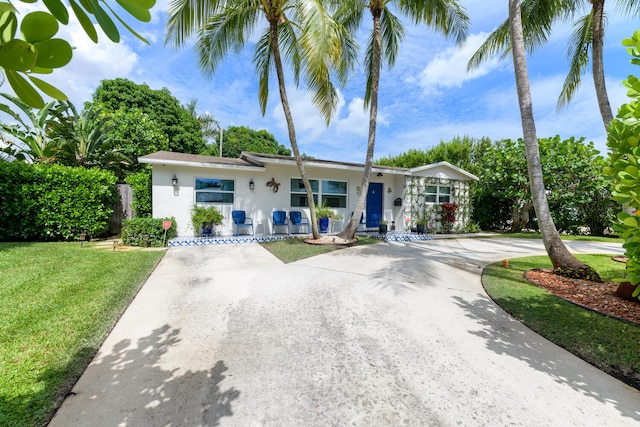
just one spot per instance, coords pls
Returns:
(420, 225)
(205, 219)
(323, 214)
(382, 226)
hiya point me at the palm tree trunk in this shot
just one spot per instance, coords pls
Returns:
(352, 227)
(598, 62)
(563, 261)
(275, 48)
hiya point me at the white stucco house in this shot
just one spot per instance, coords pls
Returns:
(260, 184)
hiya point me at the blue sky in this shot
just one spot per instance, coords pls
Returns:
(426, 98)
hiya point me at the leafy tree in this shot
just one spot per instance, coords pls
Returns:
(133, 134)
(577, 192)
(463, 152)
(445, 16)
(182, 130)
(309, 38)
(237, 139)
(39, 52)
(564, 263)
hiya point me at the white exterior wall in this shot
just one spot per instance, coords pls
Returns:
(262, 201)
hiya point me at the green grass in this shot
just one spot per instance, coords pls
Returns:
(58, 304)
(611, 345)
(536, 235)
(291, 250)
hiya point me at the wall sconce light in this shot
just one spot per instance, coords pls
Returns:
(174, 180)
(379, 174)
(389, 190)
(252, 185)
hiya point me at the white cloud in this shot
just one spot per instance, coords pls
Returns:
(449, 68)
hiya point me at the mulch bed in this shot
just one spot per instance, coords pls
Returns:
(595, 296)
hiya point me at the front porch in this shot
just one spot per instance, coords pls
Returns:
(391, 236)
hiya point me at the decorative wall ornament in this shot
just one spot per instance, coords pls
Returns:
(275, 186)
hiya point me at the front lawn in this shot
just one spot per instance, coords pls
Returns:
(58, 303)
(609, 344)
(291, 250)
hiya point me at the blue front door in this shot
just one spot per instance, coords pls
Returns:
(374, 204)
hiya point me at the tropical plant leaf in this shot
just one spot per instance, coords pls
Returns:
(84, 20)
(38, 27)
(8, 26)
(54, 53)
(24, 90)
(49, 89)
(17, 55)
(7, 7)
(105, 22)
(58, 10)
(141, 14)
(131, 30)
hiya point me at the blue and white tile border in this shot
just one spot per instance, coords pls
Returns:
(394, 236)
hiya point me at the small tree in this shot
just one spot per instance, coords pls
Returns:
(624, 163)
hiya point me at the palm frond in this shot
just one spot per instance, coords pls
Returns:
(578, 53)
(264, 62)
(445, 16)
(187, 17)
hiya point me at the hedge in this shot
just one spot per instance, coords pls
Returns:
(54, 202)
(134, 230)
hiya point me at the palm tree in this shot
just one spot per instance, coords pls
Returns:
(301, 29)
(208, 124)
(445, 16)
(538, 16)
(85, 140)
(563, 262)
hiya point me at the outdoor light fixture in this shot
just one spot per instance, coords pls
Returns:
(389, 190)
(82, 237)
(174, 180)
(251, 184)
(379, 173)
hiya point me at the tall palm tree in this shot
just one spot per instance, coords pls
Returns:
(538, 17)
(563, 262)
(444, 16)
(302, 30)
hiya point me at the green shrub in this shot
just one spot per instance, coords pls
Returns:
(140, 182)
(624, 168)
(134, 231)
(208, 216)
(53, 202)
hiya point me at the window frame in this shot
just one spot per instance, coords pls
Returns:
(318, 193)
(438, 195)
(211, 190)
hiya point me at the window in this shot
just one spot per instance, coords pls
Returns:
(334, 193)
(326, 192)
(299, 196)
(214, 190)
(437, 194)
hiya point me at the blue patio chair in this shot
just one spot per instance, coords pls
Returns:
(241, 221)
(298, 221)
(279, 219)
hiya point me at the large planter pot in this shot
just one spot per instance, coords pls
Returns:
(323, 224)
(420, 228)
(382, 228)
(625, 291)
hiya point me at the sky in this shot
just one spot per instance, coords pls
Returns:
(427, 97)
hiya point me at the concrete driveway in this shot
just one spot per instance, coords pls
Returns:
(380, 335)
